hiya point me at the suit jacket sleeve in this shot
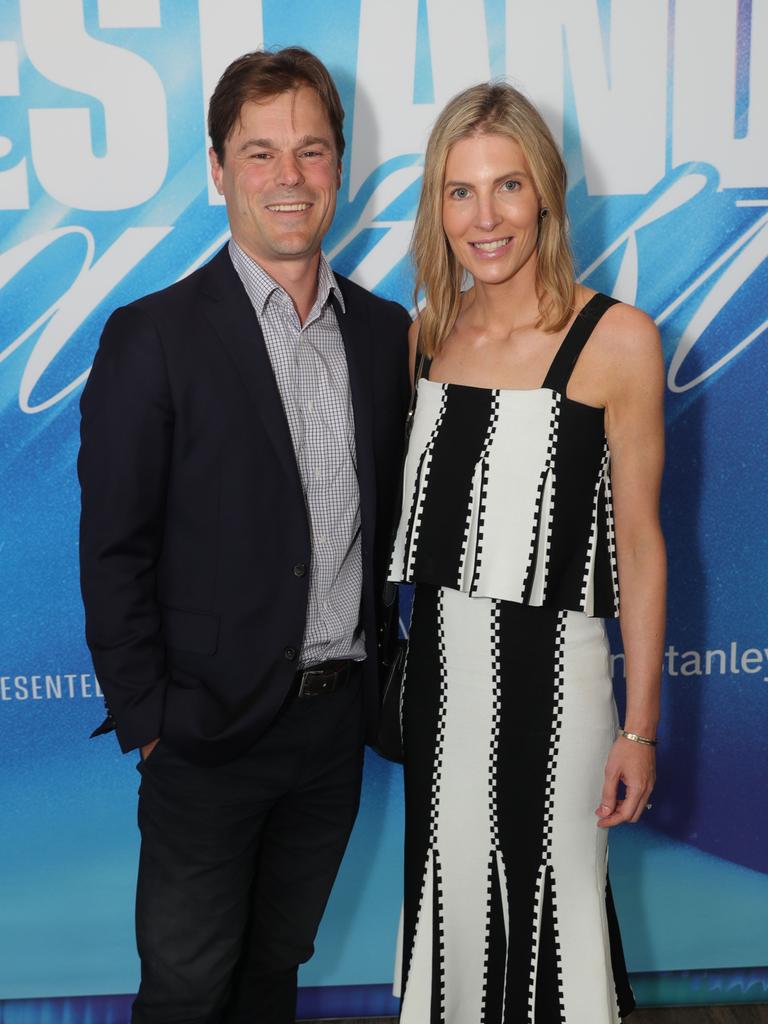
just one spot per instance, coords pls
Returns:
(125, 453)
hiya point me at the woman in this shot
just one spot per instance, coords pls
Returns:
(530, 500)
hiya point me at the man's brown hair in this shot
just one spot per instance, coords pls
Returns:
(259, 76)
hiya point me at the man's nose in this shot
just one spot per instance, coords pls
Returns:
(289, 171)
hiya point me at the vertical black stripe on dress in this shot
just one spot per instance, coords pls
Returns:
(577, 466)
(528, 718)
(455, 454)
(580, 449)
(421, 714)
(624, 994)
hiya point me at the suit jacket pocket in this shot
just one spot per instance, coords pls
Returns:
(196, 632)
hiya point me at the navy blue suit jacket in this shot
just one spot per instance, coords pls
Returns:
(193, 517)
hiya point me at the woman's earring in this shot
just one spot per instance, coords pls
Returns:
(543, 212)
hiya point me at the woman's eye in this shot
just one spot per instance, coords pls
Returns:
(460, 193)
(511, 186)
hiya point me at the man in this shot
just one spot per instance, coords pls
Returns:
(241, 443)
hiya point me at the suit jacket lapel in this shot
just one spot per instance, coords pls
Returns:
(232, 316)
(355, 332)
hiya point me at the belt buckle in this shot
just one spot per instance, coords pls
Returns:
(304, 691)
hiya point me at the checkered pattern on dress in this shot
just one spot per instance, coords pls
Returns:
(493, 420)
(546, 871)
(602, 485)
(611, 529)
(420, 490)
(495, 857)
(548, 473)
(310, 368)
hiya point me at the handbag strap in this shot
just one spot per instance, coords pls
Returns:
(422, 364)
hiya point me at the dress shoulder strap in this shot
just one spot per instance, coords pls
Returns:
(570, 349)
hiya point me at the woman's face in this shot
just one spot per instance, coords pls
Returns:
(490, 208)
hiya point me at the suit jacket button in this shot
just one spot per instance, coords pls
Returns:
(290, 653)
(300, 569)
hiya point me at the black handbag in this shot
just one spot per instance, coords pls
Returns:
(392, 650)
(391, 647)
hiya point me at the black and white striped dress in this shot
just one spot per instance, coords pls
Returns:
(508, 711)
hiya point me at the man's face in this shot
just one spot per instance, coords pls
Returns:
(280, 177)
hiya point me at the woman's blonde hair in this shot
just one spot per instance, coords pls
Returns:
(490, 109)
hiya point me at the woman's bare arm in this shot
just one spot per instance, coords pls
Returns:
(635, 431)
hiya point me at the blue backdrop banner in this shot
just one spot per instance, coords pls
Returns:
(662, 110)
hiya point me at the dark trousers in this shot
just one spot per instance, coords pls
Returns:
(237, 863)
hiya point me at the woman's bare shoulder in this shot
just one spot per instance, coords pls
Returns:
(627, 336)
(626, 344)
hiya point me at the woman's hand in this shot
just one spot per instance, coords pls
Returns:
(634, 764)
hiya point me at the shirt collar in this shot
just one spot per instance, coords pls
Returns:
(260, 286)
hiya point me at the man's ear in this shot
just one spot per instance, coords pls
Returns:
(217, 170)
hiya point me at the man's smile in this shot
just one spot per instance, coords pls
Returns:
(288, 207)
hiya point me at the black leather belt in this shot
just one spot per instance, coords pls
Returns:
(317, 680)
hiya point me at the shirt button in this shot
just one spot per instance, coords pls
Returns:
(290, 653)
(300, 569)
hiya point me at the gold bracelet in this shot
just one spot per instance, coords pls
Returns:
(637, 739)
